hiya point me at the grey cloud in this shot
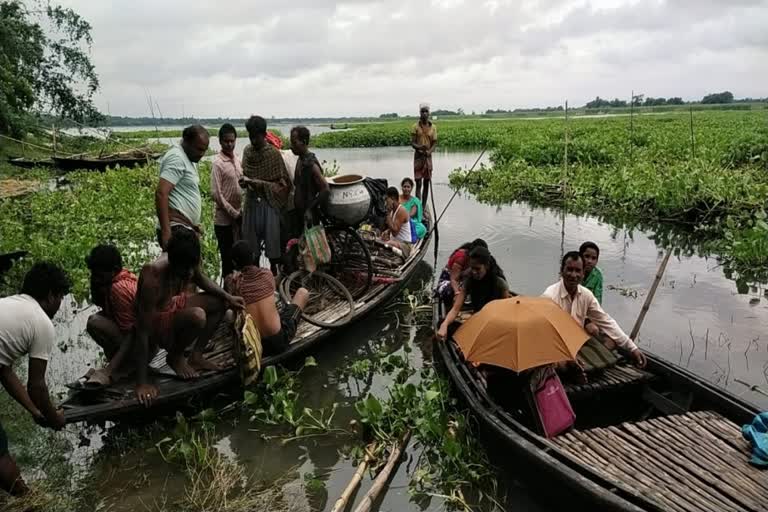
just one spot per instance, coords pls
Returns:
(355, 56)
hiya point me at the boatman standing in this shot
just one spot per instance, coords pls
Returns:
(423, 141)
(26, 330)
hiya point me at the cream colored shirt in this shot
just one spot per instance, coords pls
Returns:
(584, 306)
(25, 329)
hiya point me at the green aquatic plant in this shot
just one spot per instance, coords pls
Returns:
(275, 400)
(115, 206)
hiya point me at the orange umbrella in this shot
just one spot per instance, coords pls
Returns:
(520, 333)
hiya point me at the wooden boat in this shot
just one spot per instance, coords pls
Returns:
(91, 163)
(658, 439)
(30, 163)
(119, 401)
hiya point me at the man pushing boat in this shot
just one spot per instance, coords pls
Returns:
(169, 318)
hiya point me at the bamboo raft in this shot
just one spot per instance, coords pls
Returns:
(657, 439)
(119, 401)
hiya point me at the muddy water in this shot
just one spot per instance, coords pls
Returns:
(697, 319)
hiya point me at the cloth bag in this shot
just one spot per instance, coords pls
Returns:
(550, 401)
(314, 248)
(248, 348)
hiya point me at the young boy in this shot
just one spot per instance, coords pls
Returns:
(113, 289)
(593, 277)
(225, 189)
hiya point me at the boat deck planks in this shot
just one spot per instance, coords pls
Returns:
(690, 462)
(613, 378)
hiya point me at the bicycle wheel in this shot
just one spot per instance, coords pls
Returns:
(350, 259)
(330, 304)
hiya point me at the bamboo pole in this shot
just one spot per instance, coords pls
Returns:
(693, 140)
(54, 140)
(381, 481)
(455, 193)
(434, 211)
(752, 387)
(651, 293)
(341, 503)
(565, 186)
(631, 125)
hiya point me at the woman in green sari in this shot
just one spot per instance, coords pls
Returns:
(412, 205)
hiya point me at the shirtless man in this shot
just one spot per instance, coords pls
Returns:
(256, 286)
(169, 318)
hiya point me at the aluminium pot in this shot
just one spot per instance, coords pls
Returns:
(349, 200)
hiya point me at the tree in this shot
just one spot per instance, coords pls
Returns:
(675, 101)
(654, 102)
(391, 115)
(637, 99)
(598, 102)
(720, 97)
(44, 70)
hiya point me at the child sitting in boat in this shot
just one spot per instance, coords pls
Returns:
(399, 233)
(484, 283)
(256, 286)
(113, 289)
(593, 276)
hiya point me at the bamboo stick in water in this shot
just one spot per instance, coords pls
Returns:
(651, 293)
(341, 503)
(381, 481)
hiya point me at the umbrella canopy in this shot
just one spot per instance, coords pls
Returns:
(520, 333)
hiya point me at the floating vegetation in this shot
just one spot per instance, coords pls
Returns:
(115, 206)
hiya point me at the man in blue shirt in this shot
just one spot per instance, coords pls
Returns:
(177, 198)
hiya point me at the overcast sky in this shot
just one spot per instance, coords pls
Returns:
(323, 58)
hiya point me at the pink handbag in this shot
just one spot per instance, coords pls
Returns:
(552, 405)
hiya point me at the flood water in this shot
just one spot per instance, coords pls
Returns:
(697, 320)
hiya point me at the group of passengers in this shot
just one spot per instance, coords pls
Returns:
(472, 272)
(172, 305)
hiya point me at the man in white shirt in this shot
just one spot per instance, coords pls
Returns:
(26, 329)
(581, 304)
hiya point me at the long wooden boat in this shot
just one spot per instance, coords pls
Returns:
(91, 163)
(119, 401)
(30, 163)
(658, 439)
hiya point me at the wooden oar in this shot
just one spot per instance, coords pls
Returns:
(651, 293)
